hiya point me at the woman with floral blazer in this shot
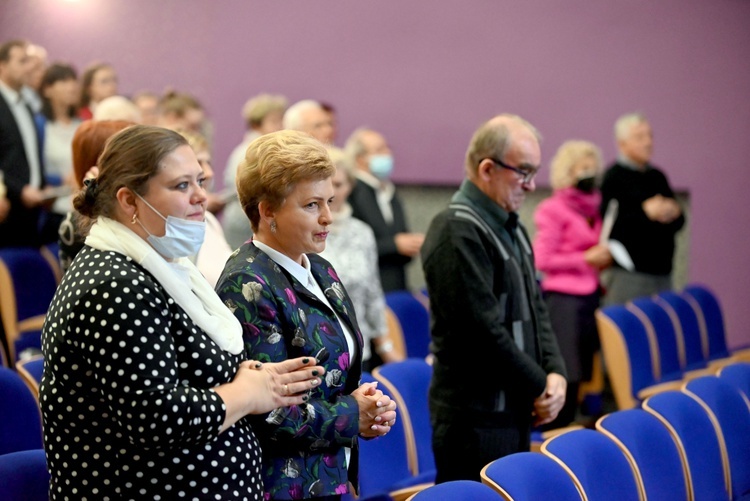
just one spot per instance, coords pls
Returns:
(291, 303)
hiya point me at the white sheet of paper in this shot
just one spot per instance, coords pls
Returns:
(610, 216)
(620, 254)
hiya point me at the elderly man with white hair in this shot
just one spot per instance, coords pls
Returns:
(309, 116)
(648, 217)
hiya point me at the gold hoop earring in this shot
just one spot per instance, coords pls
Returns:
(135, 218)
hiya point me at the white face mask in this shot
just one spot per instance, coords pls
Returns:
(183, 237)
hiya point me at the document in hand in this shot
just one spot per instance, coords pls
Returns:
(619, 252)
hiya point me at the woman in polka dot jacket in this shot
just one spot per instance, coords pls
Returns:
(291, 303)
(146, 386)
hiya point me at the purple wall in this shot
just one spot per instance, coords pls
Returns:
(427, 73)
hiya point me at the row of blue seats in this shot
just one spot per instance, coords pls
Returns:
(688, 444)
(693, 444)
(654, 344)
(28, 279)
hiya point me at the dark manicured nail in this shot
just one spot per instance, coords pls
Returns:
(305, 360)
(315, 373)
(305, 398)
(258, 365)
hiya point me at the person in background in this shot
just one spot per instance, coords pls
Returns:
(215, 250)
(88, 143)
(38, 65)
(497, 368)
(181, 111)
(328, 108)
(374, 200)
(20, 152)
(310, 117)
(117, 108)
(149, 364)
(59, 90)
(351, 249)
(148, 104)
(262, 114)
(291, 303)
(648, 215)
(568, 253)
(99, 81)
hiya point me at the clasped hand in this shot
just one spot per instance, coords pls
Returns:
(377, 412)
(271, 385)
(549, 404)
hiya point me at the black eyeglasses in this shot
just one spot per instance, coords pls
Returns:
(527, 174)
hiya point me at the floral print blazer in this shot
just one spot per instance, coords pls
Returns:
(303, 446)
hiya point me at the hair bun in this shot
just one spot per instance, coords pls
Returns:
(91, 187)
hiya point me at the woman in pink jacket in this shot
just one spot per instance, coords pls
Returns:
(568, 253)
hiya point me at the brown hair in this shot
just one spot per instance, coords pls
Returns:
(8, 46)
(55, 73)
(88, 144)
(130, 159)
(177, 104)
(274, 164)
(87, 79)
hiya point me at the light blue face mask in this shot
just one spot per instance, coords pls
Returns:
(182, 238)
(381, 166)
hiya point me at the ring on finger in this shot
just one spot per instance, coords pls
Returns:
(286, 389)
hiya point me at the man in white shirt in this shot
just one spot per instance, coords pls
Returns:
(20, 151)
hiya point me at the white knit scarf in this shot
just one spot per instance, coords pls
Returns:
(199, 300)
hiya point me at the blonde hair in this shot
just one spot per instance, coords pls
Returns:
(568, 156)
(117, 108)
(341, 160)
(257, 108)
(274, 164)
(196, 141)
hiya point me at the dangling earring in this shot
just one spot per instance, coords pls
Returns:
(273, 226)
(135, 217)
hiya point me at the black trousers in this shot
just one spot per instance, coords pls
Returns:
(462, 447)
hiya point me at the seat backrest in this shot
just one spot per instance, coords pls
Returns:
(23, 307)
(390, 449)
(24, 476)
(709, 309)
(31, 371)
(671, 353)
(457, 490)
(738, 375)
(651, 450)
(20, 419)
(599, 468)
(699, 445)
(414, 319)
(687, 326)
(530, 476)
(409, 383)
(628, 354)
(727, 404)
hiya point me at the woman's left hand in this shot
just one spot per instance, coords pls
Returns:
(377, 412)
